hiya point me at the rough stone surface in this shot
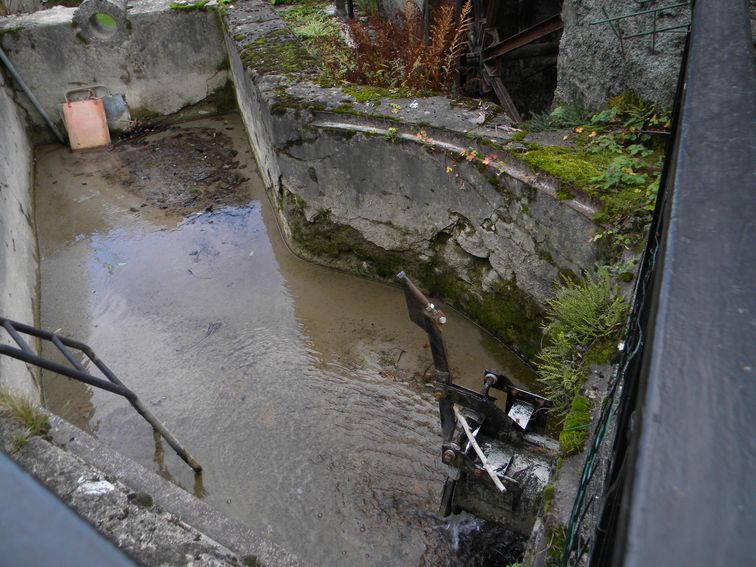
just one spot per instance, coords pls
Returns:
(170, 59)
(19, 6)
(594, 65)
(18, 253)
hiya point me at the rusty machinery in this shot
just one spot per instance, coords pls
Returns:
(498, 458)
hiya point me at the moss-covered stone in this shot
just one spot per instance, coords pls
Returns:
(15, 30)
(364, 93)
(567, 163)
(185, 6)
(548, 496)
(576, 426)
(555, 537)
(277, 55)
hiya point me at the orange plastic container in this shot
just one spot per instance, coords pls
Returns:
(86, 122)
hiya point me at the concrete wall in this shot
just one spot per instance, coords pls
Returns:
(18, 251)
(594, 65)
(356, 188)
(19, 6)
(170, 59)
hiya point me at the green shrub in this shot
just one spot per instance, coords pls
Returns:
(583, 317)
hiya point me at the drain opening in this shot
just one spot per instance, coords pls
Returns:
(103, 25)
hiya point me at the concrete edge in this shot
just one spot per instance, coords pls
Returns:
(227, 532)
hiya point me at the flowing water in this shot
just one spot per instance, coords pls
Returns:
(295, 386)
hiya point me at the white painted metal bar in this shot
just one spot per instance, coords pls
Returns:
(489, 469)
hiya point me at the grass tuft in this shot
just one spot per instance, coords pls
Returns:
(27, 414)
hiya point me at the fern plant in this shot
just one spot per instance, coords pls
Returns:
(583, 316)
(391, 53)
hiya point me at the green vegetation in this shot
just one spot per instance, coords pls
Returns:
(391, 135)
(548, 496)
(616, 160)
(106, 21)
(11, 31)
(369, 7)
(555, 540)
(27, 414)
(560, 117)
(574, 167)
(277, 55)
(576, 426)
(188, 6)
(364, 93)
(224, 99)
(583, 322)
(308, 20)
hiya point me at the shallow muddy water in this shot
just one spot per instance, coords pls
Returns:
(293, 385)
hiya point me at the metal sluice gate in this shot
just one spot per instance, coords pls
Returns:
(498, 459)
(78, 372)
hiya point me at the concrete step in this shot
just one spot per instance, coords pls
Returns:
(148, 517)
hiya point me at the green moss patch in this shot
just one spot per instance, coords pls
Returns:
(569, 164)
(182, 5)
(277, 56)
(576, 426)
(363, 93)
(615, 158)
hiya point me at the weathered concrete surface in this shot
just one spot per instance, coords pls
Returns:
(227, 532)
(378, 185)
(171, 59)
(19, 6)
(149, 518)
(18, 249)
(593, 65)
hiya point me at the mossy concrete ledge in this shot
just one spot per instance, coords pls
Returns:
(372, 184)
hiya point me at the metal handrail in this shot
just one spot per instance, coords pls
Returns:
(80, 374)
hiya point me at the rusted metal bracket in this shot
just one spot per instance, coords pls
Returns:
(525, 37)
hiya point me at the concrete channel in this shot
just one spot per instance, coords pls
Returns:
(300, 388)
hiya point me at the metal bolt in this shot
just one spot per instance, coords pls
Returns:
(440, 395)
(477, 473)
(448, 456)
